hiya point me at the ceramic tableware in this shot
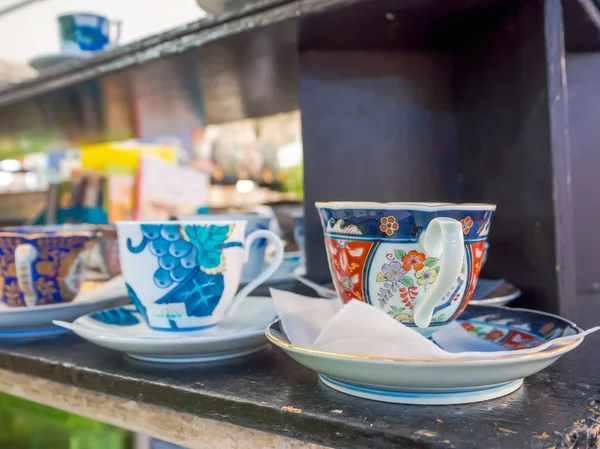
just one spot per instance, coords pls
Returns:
(101, 261)
(417, 261)
(183, 276)
(123, 329)
(488, 292)
(41, 265)
(256, 255)
(93, 296)
(494, 292)
(82, 33)
(445, 381)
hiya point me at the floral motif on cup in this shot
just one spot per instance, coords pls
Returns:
(477, 250)
(348, 259)
(412, 260)
(467, 224)
(426, 275)
(404, 274)
(389, 225)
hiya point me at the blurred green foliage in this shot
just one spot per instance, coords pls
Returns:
(28, 425)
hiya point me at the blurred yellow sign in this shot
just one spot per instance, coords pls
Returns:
(125, 154)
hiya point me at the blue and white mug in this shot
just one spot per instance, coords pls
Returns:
(256, 255)
(82, 33)
(183, 276)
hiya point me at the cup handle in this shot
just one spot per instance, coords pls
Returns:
(443, 237)
(25, 255)
(266, 274)
(117, 24)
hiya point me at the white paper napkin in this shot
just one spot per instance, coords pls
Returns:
(360, 329)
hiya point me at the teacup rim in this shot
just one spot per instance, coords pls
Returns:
(178, 222)
(233, 217)
(426, 206)
(38, 234)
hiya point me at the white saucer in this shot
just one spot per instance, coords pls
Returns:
(124, 330)
(28, 319)
(444, 381)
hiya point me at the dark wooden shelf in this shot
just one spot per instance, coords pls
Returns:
(556, 408)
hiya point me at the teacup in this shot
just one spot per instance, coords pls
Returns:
(183, 276)
(84, 33)
(417, 262)
(256, 255)
(42, 265)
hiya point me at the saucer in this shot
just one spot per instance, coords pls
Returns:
(444, 381)
(283, 278)
(123, 329)
(26, 335)
(494, 292)
(41, 317)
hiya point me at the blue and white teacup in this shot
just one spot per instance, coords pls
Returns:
(183, 276)
(84, 33)
(256, 256)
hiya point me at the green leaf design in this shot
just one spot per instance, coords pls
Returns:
(437, 269)
(208, 241)
(462, 270)
(399, 254)
(430, 261)
(407, 281)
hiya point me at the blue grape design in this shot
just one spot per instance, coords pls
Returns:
(116, 317)
(190, 256)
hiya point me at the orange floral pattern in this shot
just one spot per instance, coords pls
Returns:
(467, 224)
(347, 260)
(389, 225)
(413, 259)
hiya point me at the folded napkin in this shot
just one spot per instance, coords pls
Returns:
(360, 329)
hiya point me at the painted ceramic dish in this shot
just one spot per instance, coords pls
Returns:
(123, 329)
(40, 317)
(444, 381)
(20, 336)
(490, 292)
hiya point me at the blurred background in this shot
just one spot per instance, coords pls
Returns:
(231, 166)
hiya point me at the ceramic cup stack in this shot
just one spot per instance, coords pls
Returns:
(398, 328)
(183, 279)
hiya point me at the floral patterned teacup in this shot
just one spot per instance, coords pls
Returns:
(183, 275)
(41, 265)
(418, 262)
